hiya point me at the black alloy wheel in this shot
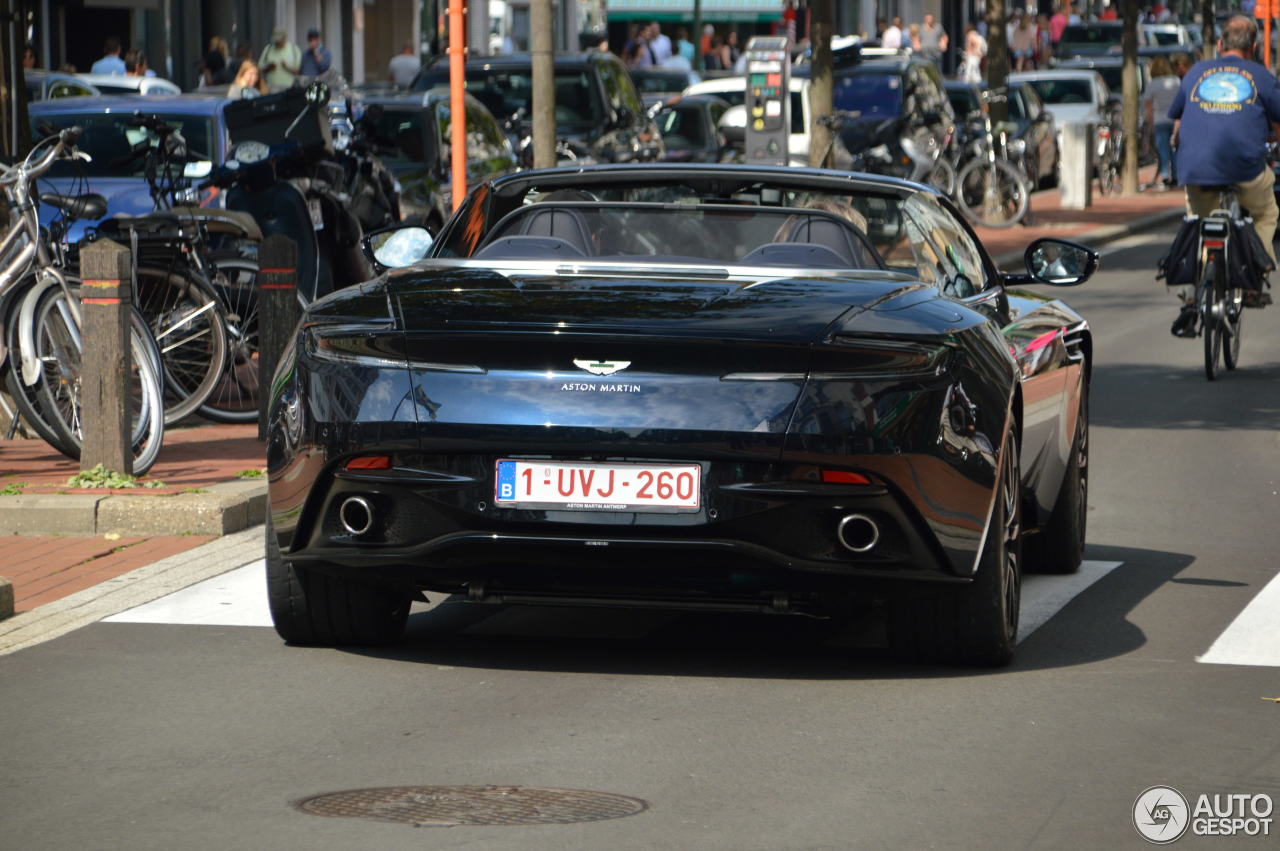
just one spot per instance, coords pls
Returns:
(1059, 548)
(976, 624)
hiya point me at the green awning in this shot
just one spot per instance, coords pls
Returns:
(668, 11)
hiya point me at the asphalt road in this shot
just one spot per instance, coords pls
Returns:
(739, 732)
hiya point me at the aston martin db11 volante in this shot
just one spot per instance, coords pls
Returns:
(704, 387)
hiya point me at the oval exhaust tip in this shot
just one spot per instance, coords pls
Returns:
(356, 515)
(858, 533)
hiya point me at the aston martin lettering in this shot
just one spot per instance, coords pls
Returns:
(602, 367)
(583, 387)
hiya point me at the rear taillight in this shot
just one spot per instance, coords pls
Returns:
(369, 462)
(844, 477)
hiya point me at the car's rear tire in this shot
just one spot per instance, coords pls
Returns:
(1060, 547)
(312, 607)
(976, 624)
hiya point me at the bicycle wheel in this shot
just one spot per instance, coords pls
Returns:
(1106, 165)
(235, 398)
(58, 391)
(943, 177)
(185, 317)
(1211, 304)
(27, 399)
(1232, 328)
(992, 193)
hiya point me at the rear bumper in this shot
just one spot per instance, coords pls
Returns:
(749, 538)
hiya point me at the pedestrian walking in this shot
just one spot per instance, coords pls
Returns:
(913, 37)
(1057, 25)
(659, 45)
(244, 52)
(213, 68)
(933, 40)
(713, 59)
(684, 47)
(1044, 41)
(892, 37)
(281, 60)
(1022, 42)
(135, 64)
(403, 67)
(1156, 100)
(316, 59)
(975, 50)
(110, 63)
(248, 82)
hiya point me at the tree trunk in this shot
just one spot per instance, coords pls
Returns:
(997, 59)
(1207, 34)
(820, 84)
(1129, 90)
(544, 85)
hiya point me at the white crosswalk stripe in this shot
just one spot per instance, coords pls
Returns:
(238, 598)
(1253, 638)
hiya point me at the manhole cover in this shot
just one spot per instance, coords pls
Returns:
(459, 805)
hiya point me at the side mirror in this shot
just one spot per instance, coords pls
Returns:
(397, 247)
(1059, 263)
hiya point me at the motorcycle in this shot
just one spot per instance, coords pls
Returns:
(283, 171)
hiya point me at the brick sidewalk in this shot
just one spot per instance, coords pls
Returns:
(44, 568)
(1049, 219)
(193, 457)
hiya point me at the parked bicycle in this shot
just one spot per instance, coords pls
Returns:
(195, 270)
(40, 312)
(990, 189)
(1110, 150)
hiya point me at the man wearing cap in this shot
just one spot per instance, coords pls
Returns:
(316, 59)
(280, 61)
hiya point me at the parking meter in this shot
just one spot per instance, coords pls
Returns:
(768, 100)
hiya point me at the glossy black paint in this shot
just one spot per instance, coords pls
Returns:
(448, 367)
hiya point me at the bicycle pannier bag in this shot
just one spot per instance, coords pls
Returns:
(1247, 259)
(1179, 265)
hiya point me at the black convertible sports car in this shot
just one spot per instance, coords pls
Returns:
(722, 387)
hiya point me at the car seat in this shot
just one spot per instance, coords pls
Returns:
(830, 234)
(560, 223)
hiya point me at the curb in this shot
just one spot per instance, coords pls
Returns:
(1109, 233)
(130, 590)
(224, 508)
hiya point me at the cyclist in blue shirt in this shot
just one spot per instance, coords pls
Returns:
(1223, 114)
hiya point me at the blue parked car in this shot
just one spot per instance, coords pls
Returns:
(109, 140)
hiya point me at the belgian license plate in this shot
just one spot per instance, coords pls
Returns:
(599, 487)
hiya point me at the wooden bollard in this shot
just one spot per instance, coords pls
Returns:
(105, 359)
(277, 312)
